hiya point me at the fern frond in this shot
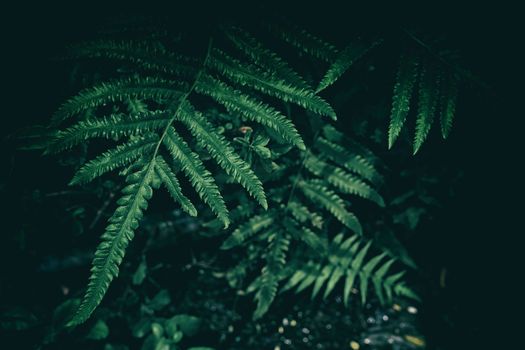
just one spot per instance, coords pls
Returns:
(200, 178)
(117, 157)
(344, 60)
(318, 193)
(115, 239)
(250, 228)
(147, 88)
(343, 181)
(428, 98)
(112, 127)
(250, 108)
(403, 90)
(449, 95)
(351, 161)
(170, 181)
(141, 53)
(265, 58)
(247, 75)
(305, 42)
(221, 150)
(302, 214)
(275, 262)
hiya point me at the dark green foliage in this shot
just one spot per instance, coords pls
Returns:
(437, 91)
(240, 114)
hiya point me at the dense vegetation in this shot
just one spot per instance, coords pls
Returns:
(256, 184)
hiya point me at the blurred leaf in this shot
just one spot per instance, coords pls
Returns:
(140, 273)
(160, 300)
(189, 325)
(100, 330)
(141, 328)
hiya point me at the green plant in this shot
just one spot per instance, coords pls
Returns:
(171, 113)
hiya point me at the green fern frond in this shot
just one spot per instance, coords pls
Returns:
(112, 127)
(247, 75)
(351, 161)
(428, 99)
(302, 214)
(199, 176)
(170, 181)
(264, 58)
(115, 239)
(154, 89)
(343, 181)
(141, 53)
(343, 62)
(221, 151)
(136, 106)
(403, 90)
(318, 193)
(449, 95)
(250, 228)
(250, 108)
(305, 42)
(117, 157)
(275, 262)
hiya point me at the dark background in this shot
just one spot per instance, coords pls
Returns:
(475, 236)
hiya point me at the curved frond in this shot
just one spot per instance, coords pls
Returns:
(147, 88)
(117, 157)
(250, 108)
(328, 199)
(344, 60)
(343, 181)
(170, 181)
(254, 225)
(247, 75)
(403, 90)
(199, 176)
(221, 150)
(115, 239)
(265, 58)
(112, 127)
(275, 262)
(428, 98)
(449, 95)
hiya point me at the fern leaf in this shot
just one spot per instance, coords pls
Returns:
(117, 157)
(251, 109)
(306, 235)
(275, 262)
(352, 273)
(250, 228)
(343, 181)
(351, 161)
(449, 94)
(199, 176)
(366, 273)
(141, 53)
(115, 239)
(378, 279)
(403, 90)
(265, 58)
(320, 194)
(259, 80)
(112, 127)
(345, 60)
(154, 89)
(303, 214)
(171, 183)
(305, 42)
(222, 151)
(428, 98)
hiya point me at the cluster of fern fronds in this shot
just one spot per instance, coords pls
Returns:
(162, 120)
